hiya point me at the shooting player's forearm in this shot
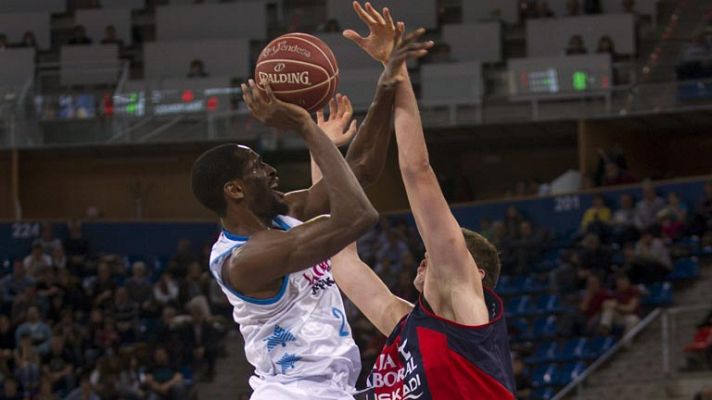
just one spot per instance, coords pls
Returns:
(349, 204)
(367, 153)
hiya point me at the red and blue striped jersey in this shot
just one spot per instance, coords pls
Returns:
(428, 357)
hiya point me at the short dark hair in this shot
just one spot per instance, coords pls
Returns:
(485, 255)
(212, 170)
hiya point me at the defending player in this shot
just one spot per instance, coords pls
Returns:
(275, 270)
(453, 343)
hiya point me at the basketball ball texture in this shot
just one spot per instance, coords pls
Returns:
(301, 69)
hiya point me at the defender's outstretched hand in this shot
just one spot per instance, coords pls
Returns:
(271, 111)
(339, 127)
(383, 32)
(407, 46)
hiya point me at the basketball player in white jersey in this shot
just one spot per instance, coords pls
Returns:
(274, 269)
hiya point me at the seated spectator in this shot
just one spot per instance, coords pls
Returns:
(647, 209)
(79, 36)
(125, 312)
(594, 256)
(10, 389)
(37, 260)
(512, 222)
(592, 7)
(28, 40)
(47, 239)
(614, 175)
(23, 302)
(330, 26)
(542, 10)
(521, 378)
(27, 363)
(526, 248)
(38, 331)
(393, 249)
(623, 309)
(598, 213)
(652, 260)
(195, 283)
(59, 258)
(76, 246)
(165, 291)
(670, 227)
(698, 353)
(572, 8)
(702, 220)
(85, 391)
(628, 6)
(200, 340)
(163, 332)
(46, 392)
(15, 283)
(696, 59)
(676, 207)
(59, 366)
(101, 287)
(139, 287)
(606, 46)
(624, 220)
(576, 46)
(590, 307)
(197, 69)
(7, 338)
(163, 380)
(111, 36)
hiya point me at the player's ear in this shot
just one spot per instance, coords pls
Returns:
(483, 273)
(234, 189)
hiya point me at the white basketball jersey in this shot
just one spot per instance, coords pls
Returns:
(301, 333)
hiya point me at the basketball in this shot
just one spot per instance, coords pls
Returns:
(301, 69)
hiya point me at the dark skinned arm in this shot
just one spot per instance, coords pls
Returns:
(257, 266)
(367, 153)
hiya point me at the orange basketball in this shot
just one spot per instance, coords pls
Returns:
(301, 69)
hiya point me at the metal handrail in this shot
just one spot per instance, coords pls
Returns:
(576, 383)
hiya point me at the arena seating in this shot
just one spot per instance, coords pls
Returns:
(360, 86)
(421, 13)
(476, 11)
(474, 42)
(21, 6)
(16, 66)
(348, 54)
(123, 4)
(14, 26)
(96, 21)
(221, 57)
(89, 65)
(212, 21)
(550, 37)
(452, 83)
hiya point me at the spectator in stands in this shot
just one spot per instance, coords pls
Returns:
(696, 59)
(542, 10)
(85, 391)
(606, 46)
(623, 309)
(37, 260)
(576, 46)
(183, 258)
(521, 378)
(139, 287)
(163, 332)
(111, 36)
(197, 69)
(28, 40)
(200, 339)
(15, 283)
(47, 239)
(573, 8)
(702, 220)
(3, 42)
(165, 291)
(126, 313)
(79, 36)
(38, 331)
(591, 306)
(615, 175)
(330, 26)
(670, 227)
(10, 390)
(652, 260)
(592, 6)
(647, 209)
(195, 283)
(22, 303)
(101, 287)
(27, 363)
(59, 366)
(595, 257)
(76, 246)
(676, 207)
(628, 6)
(527, 247)
(512, 221)
(597, 214)
(163, 380)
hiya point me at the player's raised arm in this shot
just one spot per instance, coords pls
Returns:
(272, 254)
(367, 153)
(451, 274)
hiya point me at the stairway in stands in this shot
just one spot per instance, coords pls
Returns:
(637, 372)
(232, 372)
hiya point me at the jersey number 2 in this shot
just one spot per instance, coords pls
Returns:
(340, 315)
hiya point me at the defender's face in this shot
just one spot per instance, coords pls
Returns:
(261, 183)
(419, 281)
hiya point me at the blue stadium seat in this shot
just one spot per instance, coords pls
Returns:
(572, 350)
(512, 286)
(187, 373)
(543, 393)
(549, 304)
(519, 329)
(544, 327)
(544, 353)
(568, 372)
(534, 285)
(685, 268)
(544, 375)
(598, 345)
(660, 294)
(519, 306)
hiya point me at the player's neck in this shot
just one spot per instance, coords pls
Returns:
(243, 223)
